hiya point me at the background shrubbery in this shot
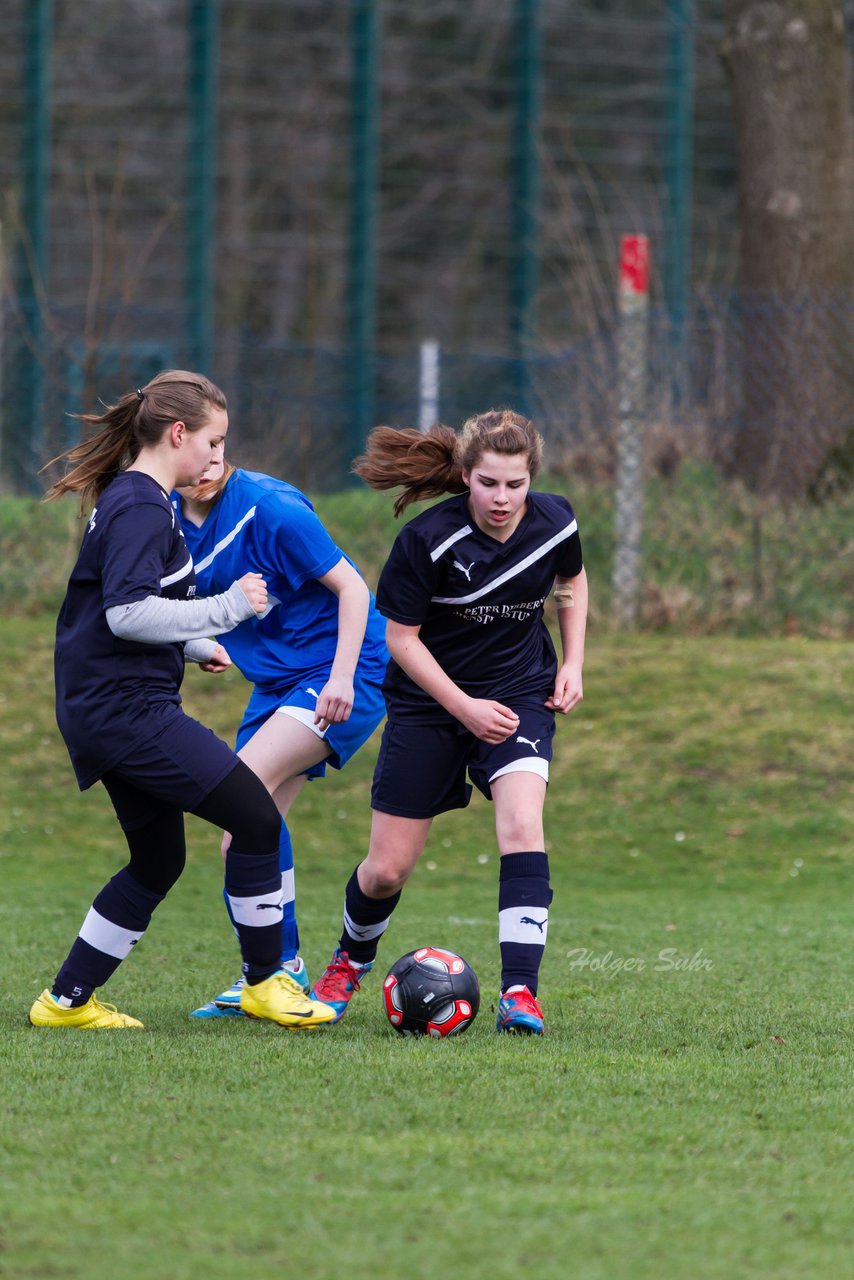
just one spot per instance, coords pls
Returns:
(716, 558)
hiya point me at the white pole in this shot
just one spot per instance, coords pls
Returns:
(428, 400)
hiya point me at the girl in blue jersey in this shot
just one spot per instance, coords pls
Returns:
(474, 683)
(317, 659)
(129, 620)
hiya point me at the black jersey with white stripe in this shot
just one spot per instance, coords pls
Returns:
(109, 691)
(479, 602)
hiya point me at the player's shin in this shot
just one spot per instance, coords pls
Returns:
(253, 885)
(365, 921)
(290, 932)
(524, 896)
(113, 926)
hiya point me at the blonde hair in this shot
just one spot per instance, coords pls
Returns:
(428, 464)
(137, 419)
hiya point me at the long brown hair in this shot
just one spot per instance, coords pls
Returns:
(137, 419)
(428, 464)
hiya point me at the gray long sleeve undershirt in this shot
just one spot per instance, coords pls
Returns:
(156, 620)
(199, 650)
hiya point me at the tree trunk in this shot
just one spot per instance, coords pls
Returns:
(791, 79)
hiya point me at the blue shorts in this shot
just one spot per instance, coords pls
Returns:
(176, 769)
(421, 769)
(300, 702)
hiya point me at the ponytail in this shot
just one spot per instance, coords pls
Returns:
(139, 418)
(425, 463)
(101, 457)
(432, 463)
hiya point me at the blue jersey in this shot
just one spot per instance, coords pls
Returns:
(112, 694)
(479, 602)
(262, 525)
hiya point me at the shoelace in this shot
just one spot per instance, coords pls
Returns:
(107, 1008)
(339, 969)
(524, 1002)
(290, 984)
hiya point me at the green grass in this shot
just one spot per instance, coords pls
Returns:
(687, 1114)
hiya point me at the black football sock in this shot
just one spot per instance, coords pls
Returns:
(253, 884)
(524, 896)
(114, 925)
(365, 920)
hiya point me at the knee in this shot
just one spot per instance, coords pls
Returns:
(520, 831)
(382, 876)
(158, 873)
(271, 823)
(258, 828)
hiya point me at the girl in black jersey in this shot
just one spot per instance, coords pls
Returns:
(474, 682)
(128, 622)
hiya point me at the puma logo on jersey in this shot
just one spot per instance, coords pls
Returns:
(529, 743)
(463, 569)
(541, 924)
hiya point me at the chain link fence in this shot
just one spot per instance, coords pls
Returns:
(178, 180)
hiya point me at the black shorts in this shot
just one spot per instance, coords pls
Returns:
(421, 768)
(175, 770)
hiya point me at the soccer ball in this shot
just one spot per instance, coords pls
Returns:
(431, 992)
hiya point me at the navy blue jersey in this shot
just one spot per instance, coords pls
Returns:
(262, 525)
(479, 602)
(112, 694)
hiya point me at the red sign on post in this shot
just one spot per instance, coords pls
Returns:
(634, 264)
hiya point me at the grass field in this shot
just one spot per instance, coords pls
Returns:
(688, 1113)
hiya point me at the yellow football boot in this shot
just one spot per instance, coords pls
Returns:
(91, 1015)
(280, 999)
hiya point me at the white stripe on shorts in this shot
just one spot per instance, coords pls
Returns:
(305, 716)
(528, 764)
(259, 911)
(110, 938)
(524, 924)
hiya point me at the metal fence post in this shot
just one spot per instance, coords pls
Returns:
(25, 390)
(632, 361)
(201, 180)
(680, 27)
(364, 173)
(525, 163)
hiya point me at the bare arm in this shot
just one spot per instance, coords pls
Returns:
(336, 697)
(571, 598)
(486, 719)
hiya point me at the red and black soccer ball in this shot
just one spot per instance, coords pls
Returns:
(431, 992)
